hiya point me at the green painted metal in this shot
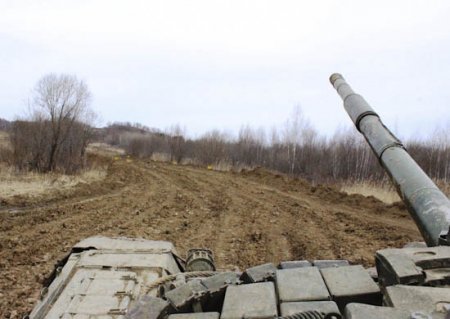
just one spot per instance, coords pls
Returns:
(429, 207)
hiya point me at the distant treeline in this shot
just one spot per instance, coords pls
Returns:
(296, 149)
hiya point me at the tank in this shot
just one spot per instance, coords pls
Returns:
(137, 278)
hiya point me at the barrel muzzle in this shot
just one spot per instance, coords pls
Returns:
(334, 77)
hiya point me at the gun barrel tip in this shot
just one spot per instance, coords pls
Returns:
(334, 77)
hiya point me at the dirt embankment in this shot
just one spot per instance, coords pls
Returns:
(245, 218)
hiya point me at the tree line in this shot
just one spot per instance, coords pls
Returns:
(296, 149)
(56, 132)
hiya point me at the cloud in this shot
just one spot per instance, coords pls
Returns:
(221, 64)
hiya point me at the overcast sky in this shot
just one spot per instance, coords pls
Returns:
(220, 64)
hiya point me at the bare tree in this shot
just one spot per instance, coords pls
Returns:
(296, 128)
(59, 127)
(177, 143)
(211, 148)
(64, 100)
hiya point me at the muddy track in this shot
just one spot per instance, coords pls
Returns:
(245, 218)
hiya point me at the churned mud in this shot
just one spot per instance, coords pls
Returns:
(246, 218)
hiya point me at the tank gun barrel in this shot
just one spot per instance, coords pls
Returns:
(429, 207)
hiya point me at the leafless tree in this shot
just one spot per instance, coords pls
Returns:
(64, 100)
(59, 127)
(211, 148)
(297, 129)
(177, 143)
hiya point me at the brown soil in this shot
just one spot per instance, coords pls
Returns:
(245, 218)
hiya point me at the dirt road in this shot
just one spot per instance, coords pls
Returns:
(245, 218)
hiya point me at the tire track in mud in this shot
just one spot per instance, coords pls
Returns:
(207, 214)
(220, 222)
(246, 233)
(324, 226)
(316, 234)
(262, 234)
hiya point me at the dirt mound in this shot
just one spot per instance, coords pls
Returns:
(245, 218)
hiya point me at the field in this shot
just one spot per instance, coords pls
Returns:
(246, 218)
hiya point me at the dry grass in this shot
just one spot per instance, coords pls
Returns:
(32, 184)
(383, 191)
(104, 149)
